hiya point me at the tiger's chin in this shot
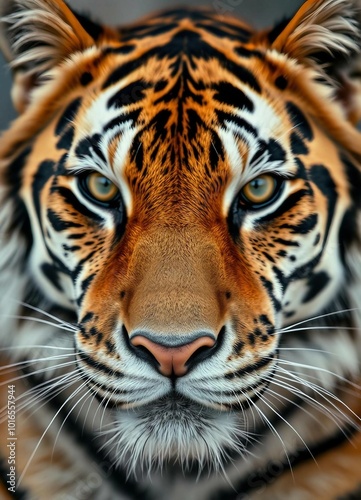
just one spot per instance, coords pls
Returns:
(177, 431)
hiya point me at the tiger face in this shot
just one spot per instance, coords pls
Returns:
(185, 192)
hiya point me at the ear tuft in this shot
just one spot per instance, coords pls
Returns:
(326, 36)
(35, 35)
(322, 31)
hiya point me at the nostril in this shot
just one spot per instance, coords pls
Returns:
(143, 353)
(199, 355)
(205, 351)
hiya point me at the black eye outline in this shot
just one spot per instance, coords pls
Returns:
(83, 184)
(246, 204)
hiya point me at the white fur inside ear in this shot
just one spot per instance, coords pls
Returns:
(35, 36)
(330, 26)
(40, 33)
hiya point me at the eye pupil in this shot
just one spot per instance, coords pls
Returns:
(102, 184)
(258, 185)
(259, 191)
(100, 188)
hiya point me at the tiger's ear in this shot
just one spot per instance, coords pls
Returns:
(326, 35)
(35, 35)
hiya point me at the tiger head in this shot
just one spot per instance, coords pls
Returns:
(185, 190)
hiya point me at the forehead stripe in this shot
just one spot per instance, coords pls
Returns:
(68, 116)
(177, 47)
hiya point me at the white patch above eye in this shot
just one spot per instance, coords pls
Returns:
(97, 116)
(267, 125)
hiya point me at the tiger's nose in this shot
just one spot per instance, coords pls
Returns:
(173, 358)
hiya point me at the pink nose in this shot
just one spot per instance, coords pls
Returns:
(173, 360)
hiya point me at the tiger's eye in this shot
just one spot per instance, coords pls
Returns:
(259, 190)
(101, 188)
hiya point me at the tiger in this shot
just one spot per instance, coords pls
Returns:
(181, 255)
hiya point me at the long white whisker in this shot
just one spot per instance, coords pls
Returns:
(307, 349)
(25, 363)
(47, 384)
(323, 393)
(44, 396)
(59, 326)
(42, 370)
(45, 313)
(264, 399)
(324, 370)
(342, 311)
(35, 346)
(322, 327)
(74, 393)
(87, 393)
(314, 403)
(273, 430)
(285, 398)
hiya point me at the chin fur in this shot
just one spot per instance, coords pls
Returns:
(175, 431)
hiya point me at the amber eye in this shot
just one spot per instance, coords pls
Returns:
(260, 190)
(100, 188)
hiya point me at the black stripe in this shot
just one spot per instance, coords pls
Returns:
(240, 122)
(68, 116)
(72, 200)
(233, 96)
(251, 368)
(99, 366)
(315, 284)
(289, 203)
(58, 224)
(129, 94)
(191, 44)
(272, 470)
(304, 227)
(71, 424)
(120, 120)
(287, 243)
(320, 175)
(45, 170)
(269, 287)
(305, 270)
(248, 53)
(299, 121)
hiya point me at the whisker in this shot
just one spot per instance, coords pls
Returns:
(42, 385)
(59, 326)
(41, 311)
(35, 346)
(74, 393)
(324, 393)
(321, 327)
(87, 393)
(266, 401)
(342, 311)
(44, 397)
(319, 369)
(308, 349)
(314, 403)
(272, 428)
(355, 393)
(42, 370)
(27, 362)
(288, 400)
(39, 395)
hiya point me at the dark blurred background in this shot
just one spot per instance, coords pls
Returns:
(257, 12)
